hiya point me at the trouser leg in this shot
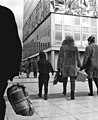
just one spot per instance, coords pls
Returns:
(3, 86)
(46, 80)
(35, 74)
(96, 83)
(40, 85)
(72, 82)
(65, 85)
(90, 86)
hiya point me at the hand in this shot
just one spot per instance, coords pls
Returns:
(11, 78)
(58, 69)
(52, 73)
(81, 68)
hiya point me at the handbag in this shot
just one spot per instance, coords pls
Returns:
(58, 78)
(20, 100)
(82, 75)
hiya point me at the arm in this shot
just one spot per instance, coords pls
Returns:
(78, 58)
(51, 68)
(86, 57)
(60, 58)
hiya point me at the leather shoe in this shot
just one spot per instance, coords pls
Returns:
(90, 94)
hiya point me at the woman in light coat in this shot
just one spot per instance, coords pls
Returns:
(68, 62)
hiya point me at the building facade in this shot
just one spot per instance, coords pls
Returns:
(49, 21)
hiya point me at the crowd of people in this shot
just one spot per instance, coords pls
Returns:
(28, 66)
(68, 64)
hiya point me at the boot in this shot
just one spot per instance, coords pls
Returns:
(45, 97)
(64, 93)
(90, 94)
(90, 87)
(72, 95)
(40, 95)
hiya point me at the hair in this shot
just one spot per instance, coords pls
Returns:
(42, 55)
(91, 39)
(68, 40)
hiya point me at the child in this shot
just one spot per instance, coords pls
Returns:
(44, 67)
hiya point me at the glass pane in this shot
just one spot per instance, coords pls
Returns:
(77, 36)
(85, 29)
(67, 34)
(85, 21)
(58, 27)
(58, 35)
(76, 20)
(93, 30)
(67, 20)
(93, 22)
(67, 28)
(84, 40)
(76, 29)
(58, 19)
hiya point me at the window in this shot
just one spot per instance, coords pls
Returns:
(58, 27)
(58, 35)
(76, 29)
(77, 36)
(85, 21)
(85, 29)
(93, 30)
(93, 22)
(67, 33)
(67, 28)
(76, 20)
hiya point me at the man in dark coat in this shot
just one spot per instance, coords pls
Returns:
(10, 53)
(90, 63)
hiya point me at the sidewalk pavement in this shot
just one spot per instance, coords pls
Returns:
(58, 106)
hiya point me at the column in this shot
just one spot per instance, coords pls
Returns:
(53, 59)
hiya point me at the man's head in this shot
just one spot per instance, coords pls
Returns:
(91, 39)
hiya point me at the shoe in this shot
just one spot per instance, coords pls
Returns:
(64, 93)
(39, 95)
(45, 97)
(90, 94)
(72, 95)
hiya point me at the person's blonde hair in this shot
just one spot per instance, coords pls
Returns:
(68, 40)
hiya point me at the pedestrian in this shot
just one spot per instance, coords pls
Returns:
(35, 67)
(10, 53)
(90, 63)
(68, 61)
(28, 67)
(44, 67)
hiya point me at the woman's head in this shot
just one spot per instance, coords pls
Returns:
(68, 40)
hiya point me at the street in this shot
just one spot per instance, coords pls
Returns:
(58, 106)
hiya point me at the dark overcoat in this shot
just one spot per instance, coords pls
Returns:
(10, 44)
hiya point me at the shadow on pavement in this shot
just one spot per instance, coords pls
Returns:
(60, 95)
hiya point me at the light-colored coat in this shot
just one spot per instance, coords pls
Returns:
(68, 60)
(90, 62)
